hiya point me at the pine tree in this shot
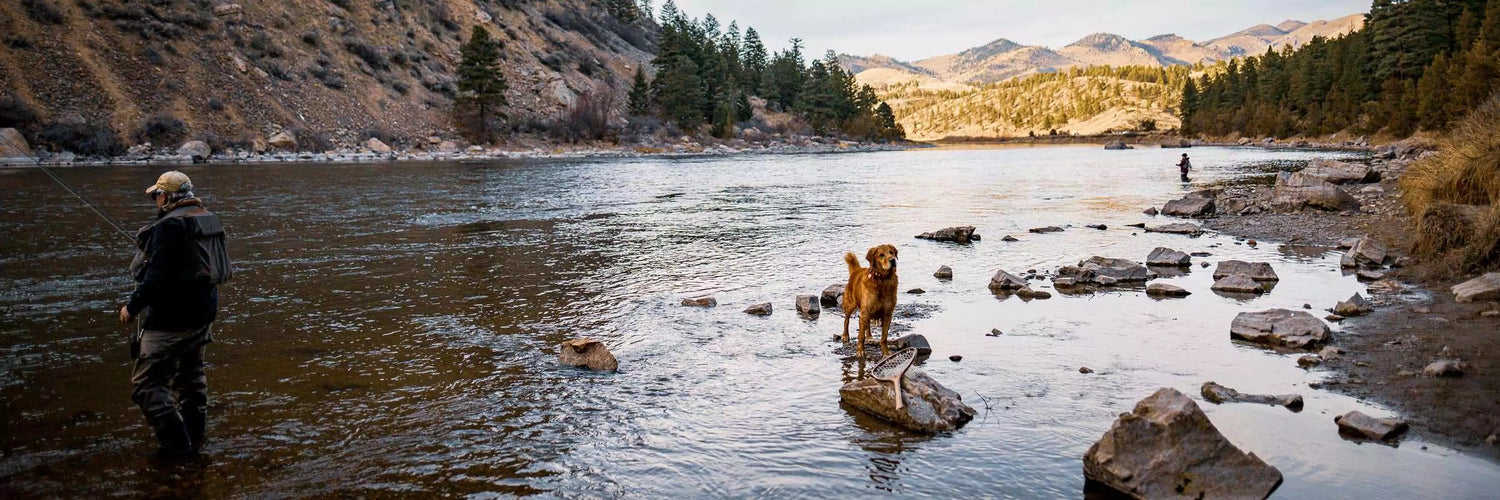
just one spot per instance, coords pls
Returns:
(481, 85)
(1432, 92)
(753, 60)
(640, 94)
(679, 93)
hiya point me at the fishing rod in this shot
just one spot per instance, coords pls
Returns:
(70, 189)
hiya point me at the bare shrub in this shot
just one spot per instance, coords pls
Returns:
(89, 139)
(43, 11)
(161, 129)
(588, 118)
(15, 113)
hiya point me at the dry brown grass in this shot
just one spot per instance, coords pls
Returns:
(1455, 195)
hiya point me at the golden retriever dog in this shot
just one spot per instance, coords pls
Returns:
(872, 292)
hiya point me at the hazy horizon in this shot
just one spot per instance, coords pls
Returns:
(911, 31)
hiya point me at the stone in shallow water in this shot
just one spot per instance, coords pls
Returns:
(1177, 228)
(1365, 253)
(1006, 281)
(960, 234)
(943, 273)
(704, 301)
(1360, 426)
(1165, 290)
(1163, 256)
(928, 407)
(1258, 271)
(1280, 328)
(1355, 306)
(1167, 448)
(761, 309)
(1216, 393)
(1121, 270)
(1237, 283)
(1048, 229)
(807, 306)
(832, 295)
(587, 353)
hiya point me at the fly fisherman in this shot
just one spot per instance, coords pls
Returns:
(177, 272)
(1183, 166)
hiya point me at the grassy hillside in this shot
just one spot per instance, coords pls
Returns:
(335, 69)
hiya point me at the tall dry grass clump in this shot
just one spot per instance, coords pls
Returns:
(1455, 196)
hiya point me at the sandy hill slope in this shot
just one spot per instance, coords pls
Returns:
(338, 67)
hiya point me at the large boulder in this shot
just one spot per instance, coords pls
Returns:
(587, 353)
(1483, 288)
(283, 140)
(1118, 270)
(1366, 253)
(1003, 281)
(377, 146)
(927, 406)
(1217, 394)
(960, 234)
(198, 151)
(1167, 448)
(1163, 256)
(1193, 205)
(1338, 172)
(832, 295)
(13, 145)
(1299, 190)
(1258, 271)
(1280, 328)
(1360, 426)
(1177, 228)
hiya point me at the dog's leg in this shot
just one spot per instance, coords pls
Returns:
(885, 331)
(864, 333)
(847, 313)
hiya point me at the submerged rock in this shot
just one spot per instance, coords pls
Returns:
(587, 353)
(1004, 281)
(1237, 283)
(1048, 229)
(761, 309)
(1355, 306)
(1217, 394)
(1258, 271)
(928, 407)
(704, 301)
(1167, 448)
(807, 306)
(1165, 290)
(1297, 191)
(960, 234)
(1177, 228)
(943, 273)
(1009, 238)
(1483, 288)
(1360, 426)
(1364, 253)
(1280, 328)
(832, 295)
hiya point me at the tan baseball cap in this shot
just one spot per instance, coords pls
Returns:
(171, 182)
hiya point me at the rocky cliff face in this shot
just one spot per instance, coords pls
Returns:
(340, 69)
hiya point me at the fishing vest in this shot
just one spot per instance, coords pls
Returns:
(206, 233)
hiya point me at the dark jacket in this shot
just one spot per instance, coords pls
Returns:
(170, 290)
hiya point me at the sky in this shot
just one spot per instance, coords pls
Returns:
(914, 29)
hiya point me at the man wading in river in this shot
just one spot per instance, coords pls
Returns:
(177, 272)
(1184, 166)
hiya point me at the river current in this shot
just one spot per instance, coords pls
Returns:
(392, 329)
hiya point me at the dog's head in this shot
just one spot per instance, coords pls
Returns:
(882, 261)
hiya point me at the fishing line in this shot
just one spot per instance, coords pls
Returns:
(80, 197)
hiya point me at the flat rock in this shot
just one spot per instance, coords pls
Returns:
(1365, 253)
(960, 234)
(807, 306)
(761, 309)
(1006, 281)
(1369, 275)
(1338, 172)
(704, 301)
(1355, 306)
(1237, 283)
(1177, 228)
(928, 407)
(832, 295)
(916, 291)
(1483, 288)
(943, 273)
(1121, 270)
(1258, 271)
(587, 353)
(1028, 293)
(1361, 426)
(1100, 227)
(1163, 256)
(1309, 360)
(1445, 368)
(914, 341)
(1193, 205)
(1165, 290)
(1167, 448)
(1280, 328)
(1299, 190)
(1217, 394)
(1048, 229)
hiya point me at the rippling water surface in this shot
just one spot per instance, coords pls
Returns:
(392, 329)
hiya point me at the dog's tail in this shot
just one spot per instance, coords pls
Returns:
(853, 262)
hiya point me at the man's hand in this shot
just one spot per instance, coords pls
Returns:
(125, 314)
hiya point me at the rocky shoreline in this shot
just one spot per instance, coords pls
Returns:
(438, 149)
(1415, 321)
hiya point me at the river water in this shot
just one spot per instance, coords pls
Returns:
(392, 330)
